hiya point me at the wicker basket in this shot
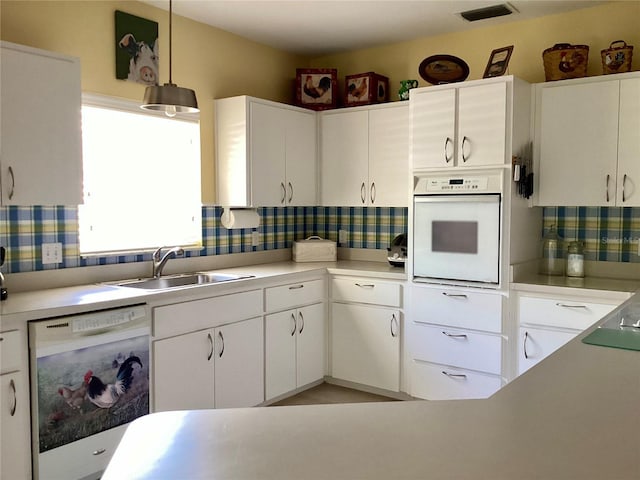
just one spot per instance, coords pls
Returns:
(564, 60)
(617, 59)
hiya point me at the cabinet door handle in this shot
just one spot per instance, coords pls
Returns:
(14, 405)
(565, 305)
(454, 335)
(222, 340)
(464, 141)
(454, 295)
(293, 320)
(296, 287)
(363, 192)
(454, 375)
(607, 187)
(290, 192)
(210, 347)
(301, 322)
(100, 451)
(284, 192)
(372, 194)
(524, 344)
(447, 158)
(394, 320)
(624, 182)
(13, 183)
(365, 285)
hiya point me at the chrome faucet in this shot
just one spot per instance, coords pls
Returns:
(160, 260)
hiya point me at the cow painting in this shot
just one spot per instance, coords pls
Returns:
(143, 63)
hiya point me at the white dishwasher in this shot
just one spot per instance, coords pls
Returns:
(89, 379)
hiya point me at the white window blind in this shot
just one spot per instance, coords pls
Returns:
(141, 179)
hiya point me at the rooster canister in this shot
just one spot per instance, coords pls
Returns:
(405, 86)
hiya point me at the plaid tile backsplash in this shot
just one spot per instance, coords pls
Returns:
(23, 230)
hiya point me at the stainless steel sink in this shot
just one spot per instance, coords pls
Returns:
(181, 280)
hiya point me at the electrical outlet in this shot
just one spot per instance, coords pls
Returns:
(255, 239)
(342, 236)
(51, 253)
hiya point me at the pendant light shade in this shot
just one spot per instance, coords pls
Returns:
(169, 98)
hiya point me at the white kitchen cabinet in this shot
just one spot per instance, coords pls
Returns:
(364, 156)
(455, 343)
(41, 162)
(546, 323)
(265, 153)
(459, 126)
(586, 135)
(294, 349)
(15, 440)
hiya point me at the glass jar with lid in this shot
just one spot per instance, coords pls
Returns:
(553, 261)
(575, 259)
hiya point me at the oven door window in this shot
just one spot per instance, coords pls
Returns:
(457, 238)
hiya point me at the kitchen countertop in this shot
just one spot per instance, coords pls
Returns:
(574, 415)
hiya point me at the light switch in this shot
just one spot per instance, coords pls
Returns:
(342, 236)
(51, 253)
(255, 239)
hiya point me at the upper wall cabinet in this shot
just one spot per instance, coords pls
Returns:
(40, 129)
(459, 126)
(364, 156)
(587, 141)
(265, 153)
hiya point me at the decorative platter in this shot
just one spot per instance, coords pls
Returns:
(440, 69)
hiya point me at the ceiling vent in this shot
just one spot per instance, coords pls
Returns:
(488, 12)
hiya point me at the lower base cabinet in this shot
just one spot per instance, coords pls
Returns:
(365, 345)
(534, 344)
(213, 368)
(15, 455)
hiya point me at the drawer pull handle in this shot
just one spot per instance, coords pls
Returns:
(296, 287)
(222, 340)
(394, 320)
(293, 331)
(301, 322)
(454, 295)
(454, 375)
(99, 452)
(14, 405)
(565, 305)
(365, 285)
(210, 346)
(524, 344)
(454, 335)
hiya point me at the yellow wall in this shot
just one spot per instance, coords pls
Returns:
(595, 26)
(214, 63)
(217, 64)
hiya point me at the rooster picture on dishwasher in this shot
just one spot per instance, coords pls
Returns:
(106, 395)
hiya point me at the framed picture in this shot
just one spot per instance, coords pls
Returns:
(136, 49)
(365, 89)
(498, 62)
(317, 88)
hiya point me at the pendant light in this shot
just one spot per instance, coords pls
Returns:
(169, 98)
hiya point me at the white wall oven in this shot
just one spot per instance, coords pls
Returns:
(457, 228)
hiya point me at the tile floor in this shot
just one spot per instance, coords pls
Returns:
(329, 393)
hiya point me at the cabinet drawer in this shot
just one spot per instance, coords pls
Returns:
(460, 348)
(457, 308)
(207, 313)
(292, 295)
(10, 351)
(437, 382)
(577, 315)
(364, 290)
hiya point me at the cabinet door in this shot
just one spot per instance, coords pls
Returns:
(482, 120)
(344, 158)
(433, 122)
(41, 145)
(183, 372)
(535, 344)
(366, 345)
(301, 170)
(267, 155)
(389, 156)
(280, 353)
(239, 364)
(311, 344)
(628, 181)
(578, 141)
(15, 451)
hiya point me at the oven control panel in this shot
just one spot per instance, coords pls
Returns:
(458, 184)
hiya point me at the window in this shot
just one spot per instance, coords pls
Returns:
(141, 179)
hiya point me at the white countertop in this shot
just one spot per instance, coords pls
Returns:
(576, 415)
